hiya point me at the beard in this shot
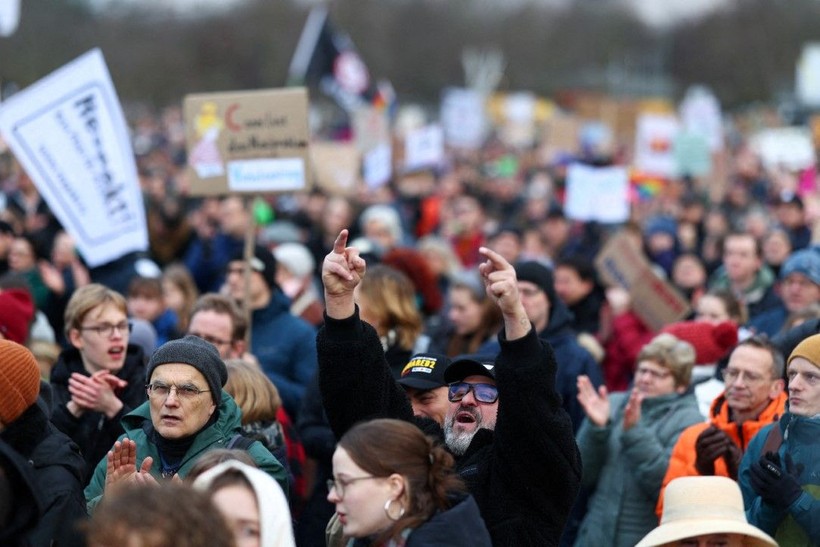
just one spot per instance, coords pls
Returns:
(458, 440)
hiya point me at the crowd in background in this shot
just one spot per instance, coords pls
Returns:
(744, 260)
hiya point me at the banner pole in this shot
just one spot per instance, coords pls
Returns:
(250, 240)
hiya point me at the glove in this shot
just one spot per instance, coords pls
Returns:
(711, 444)
(732, 457)
(777, 487)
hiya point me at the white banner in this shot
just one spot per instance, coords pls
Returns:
(9, 16)
(69, 133)
(788, 148)
(424, 148)
(597, 193)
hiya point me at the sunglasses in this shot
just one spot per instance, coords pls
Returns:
(483, 393)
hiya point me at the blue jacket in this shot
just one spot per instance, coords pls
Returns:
(573, 360)
(799, 524)
(285, 346)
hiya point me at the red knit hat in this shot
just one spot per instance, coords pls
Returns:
(19, 380)
(712, 342)
(16, 313)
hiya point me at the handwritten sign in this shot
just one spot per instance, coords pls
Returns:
(69, 134)
(247, 141)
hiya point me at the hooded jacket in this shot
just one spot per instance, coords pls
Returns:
(524, 474)
(139, 428)
(799, 523)
(285, 346)
(573, 360)
(682, 462)
(58, 477)
(93, 432)
(626, 468)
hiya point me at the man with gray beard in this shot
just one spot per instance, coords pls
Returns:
(518, 458)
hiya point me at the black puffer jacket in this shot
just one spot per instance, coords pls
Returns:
(93, 432)
(58, 475)
(524, 475)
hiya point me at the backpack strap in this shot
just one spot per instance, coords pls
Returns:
(240, 442)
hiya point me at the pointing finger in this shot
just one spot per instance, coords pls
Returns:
(341, 242)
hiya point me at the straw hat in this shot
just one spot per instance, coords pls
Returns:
(695, 506)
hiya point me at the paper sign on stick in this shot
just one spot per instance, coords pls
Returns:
(337, 166)
(655, 301)
(69, 133)
(247, 141)
(653, 144)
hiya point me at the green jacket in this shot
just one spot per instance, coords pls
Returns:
(217, 435)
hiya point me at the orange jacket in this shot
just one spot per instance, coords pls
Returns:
(682, 461)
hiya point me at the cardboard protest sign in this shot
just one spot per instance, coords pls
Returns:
(69, 134)
(336, 166)
(464, 118)
(561, 135)
(655, 301)
(785, 147)
(247, 141)
(371, 128)
(597, 193)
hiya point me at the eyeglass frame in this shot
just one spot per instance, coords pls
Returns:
(747, 378)
(654, 374)
(183, 392)
(211, 339)
(123, 327)
(340, 485)
(471, 387)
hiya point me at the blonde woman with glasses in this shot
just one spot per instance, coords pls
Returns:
(626, 440)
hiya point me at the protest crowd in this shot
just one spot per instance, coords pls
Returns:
(595, 327)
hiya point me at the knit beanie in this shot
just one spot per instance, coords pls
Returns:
(262, 262)
(808, 349)
(712, 342)
(19, 380)
(193, 350)
(16, 314)
(538, 274)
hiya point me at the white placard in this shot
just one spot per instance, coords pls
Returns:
(464, 118)
(377, 166)
(653, 144)
(808, 75)
(784, 147)
(69, 133)
(424, 147)
(597, 193)
(700, 115)
(9, 16)
(268, 175)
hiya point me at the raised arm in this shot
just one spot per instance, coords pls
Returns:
(342, 270)
(502, 286)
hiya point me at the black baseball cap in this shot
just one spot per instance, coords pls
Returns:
(425, 371)
(469, 365)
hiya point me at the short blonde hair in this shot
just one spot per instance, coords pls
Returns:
(671, 353)
(252, 390)
(87, 298)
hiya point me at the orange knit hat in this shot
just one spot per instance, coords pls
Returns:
(19, 380)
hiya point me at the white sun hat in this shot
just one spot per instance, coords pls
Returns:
(695, 506)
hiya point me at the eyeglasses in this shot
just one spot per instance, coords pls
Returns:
(483, 393)
(731, 375)
(159, 390)
(652, 373)
(212, 339)
(107, 329)
(340, 484)
(529, 292)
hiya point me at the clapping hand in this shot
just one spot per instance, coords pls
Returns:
(121, 466)
(595, 404)
(96, 392)
(777, 486)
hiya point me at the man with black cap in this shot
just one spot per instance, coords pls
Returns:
(519, 459)
(284, 345)
(187, 414)
(423, 380)
(553, 322)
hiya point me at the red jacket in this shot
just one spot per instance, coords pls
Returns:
(682, 462)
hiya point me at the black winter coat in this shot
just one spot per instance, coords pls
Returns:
(93, 432)
(58, 477)
(524, 475)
